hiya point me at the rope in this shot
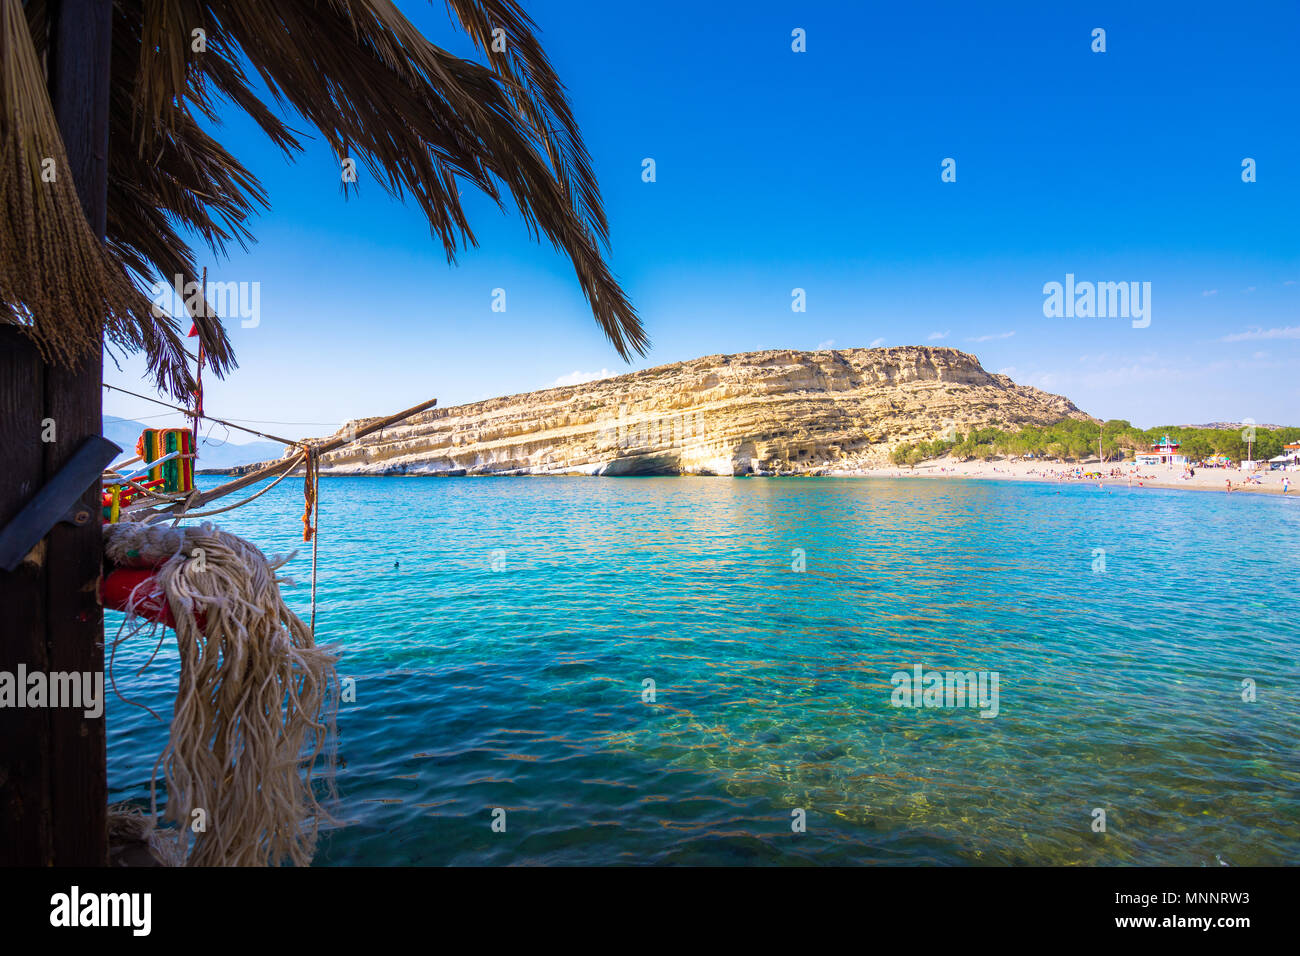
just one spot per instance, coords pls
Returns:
(310, 527)
(308, 491)
(315, 539)
(310, 488)
(238, 504)
(154, 492)
(194, 413)
(255, 702)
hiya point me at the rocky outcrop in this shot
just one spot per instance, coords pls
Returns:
(771, 412)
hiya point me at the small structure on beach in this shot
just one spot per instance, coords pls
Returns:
(1163, 452)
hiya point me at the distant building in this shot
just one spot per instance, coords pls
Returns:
(1289, 460)
(1163, 452)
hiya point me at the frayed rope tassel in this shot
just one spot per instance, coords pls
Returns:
(135, 840)
(256, 702)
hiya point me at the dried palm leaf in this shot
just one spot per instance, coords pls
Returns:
(58, 281)
(422, 121)
(419, 119)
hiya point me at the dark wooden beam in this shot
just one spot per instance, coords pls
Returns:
(72, 618)
(80, 57)
(25, 824)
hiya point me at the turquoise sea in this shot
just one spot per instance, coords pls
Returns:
(502, 665)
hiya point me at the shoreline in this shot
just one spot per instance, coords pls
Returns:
(1127, 475)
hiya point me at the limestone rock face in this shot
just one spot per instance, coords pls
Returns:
(770, 412)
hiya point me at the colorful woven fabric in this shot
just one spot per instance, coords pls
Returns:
(177, 474)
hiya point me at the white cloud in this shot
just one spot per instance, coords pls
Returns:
(877, 343)
(825, 345)
(1248, 290)
(990, 338)
(1210, 292)
(1290, 332)
(936, 336)
(1008, 371)
(581, 378)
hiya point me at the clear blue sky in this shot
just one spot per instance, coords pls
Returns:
(821, 170)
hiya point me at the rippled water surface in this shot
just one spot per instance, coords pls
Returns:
(522, 688)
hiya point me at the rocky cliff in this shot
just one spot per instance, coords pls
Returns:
(771, 412)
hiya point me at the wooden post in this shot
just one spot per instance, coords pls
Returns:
(81, 48)
(24, 733)
(53, 767)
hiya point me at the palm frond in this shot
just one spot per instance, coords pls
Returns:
(423, 122)
(538, 94)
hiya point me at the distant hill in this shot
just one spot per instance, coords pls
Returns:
(771, 412)
(1229, 426)
(213, 452)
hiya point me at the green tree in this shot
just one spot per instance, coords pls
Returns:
(1197, 447)
(1268, 444)
(1227, 441)
(899, 455)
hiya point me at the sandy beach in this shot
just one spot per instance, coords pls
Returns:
(1124, 474)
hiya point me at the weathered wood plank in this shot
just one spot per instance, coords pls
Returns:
(79, 69)
(24, 732)
(75, 630)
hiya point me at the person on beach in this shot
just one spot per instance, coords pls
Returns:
(1286, 484)
(1229, 484)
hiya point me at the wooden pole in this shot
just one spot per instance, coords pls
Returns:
(198, 376)
(280, 467)
(81, 52)
(24, 733)
(53, 781)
